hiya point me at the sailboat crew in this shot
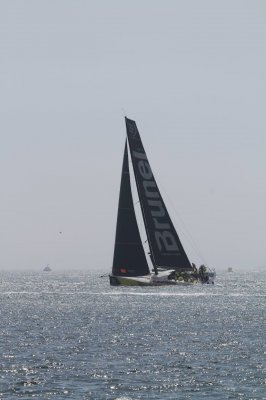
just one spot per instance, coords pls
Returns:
(194, 268)
(202, 274)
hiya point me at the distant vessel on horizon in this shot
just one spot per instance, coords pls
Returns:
(47, 268)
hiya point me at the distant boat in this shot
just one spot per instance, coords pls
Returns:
(169, 259)
(47, 268)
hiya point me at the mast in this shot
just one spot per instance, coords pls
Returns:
(166, 248)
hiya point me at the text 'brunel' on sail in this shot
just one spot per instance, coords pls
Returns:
(166, 248)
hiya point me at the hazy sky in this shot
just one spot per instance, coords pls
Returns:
(191, 73)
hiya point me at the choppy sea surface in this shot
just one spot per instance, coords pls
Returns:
(72, 336)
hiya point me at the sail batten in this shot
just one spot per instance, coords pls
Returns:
(165, 246)
(129, 256)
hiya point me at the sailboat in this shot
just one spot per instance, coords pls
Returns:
(47, 268)
(170, 263)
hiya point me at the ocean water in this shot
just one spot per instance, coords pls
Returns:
(72, 336)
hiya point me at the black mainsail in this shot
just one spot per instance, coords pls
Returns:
(165, 246)
(129, 257)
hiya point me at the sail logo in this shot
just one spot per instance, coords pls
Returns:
(164, 238)
(132, 130)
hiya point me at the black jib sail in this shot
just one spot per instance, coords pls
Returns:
(129, 256)
(166, 249)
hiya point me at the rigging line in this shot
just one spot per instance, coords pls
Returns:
(184, 230)
(135, 198)
(138, 207)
